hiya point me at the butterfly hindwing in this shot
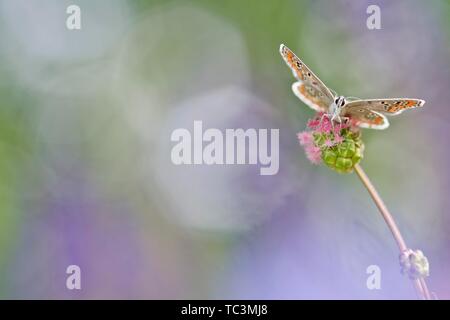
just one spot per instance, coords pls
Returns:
(310, 96)
(366, 118)
(308, 78)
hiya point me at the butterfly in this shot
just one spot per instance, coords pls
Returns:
(366, 113)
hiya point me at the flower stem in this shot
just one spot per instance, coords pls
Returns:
(419, 284)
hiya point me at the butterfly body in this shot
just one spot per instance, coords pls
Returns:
(335, 109)
(367, 113)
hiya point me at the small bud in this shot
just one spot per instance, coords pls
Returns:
(414, 264)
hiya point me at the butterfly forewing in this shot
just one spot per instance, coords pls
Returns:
(313, 92)
(388, 106)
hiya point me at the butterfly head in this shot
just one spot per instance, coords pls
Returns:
(335, 108)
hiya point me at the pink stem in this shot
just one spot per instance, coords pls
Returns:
(419, 284)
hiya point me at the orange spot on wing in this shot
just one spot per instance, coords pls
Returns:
(394, 108)
(302, 89)
(378, 120)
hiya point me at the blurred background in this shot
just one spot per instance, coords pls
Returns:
(85, 170)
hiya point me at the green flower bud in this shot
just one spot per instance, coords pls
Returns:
(343, 164)
(344, 155)
(347, 148)
(329, 157)
(357, 156)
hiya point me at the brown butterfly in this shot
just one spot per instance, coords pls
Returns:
(367, 113)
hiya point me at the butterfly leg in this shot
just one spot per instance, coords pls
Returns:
(337, 118)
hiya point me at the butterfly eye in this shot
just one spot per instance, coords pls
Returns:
(342, 103)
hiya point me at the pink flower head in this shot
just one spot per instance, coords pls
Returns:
(305, 138)
(313, 123)
(313, 153)
(325, 125)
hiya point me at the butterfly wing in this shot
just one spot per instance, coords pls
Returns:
(366, 118)
(388, 106)
(311, 96)
(310, 89)
(370, 113)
